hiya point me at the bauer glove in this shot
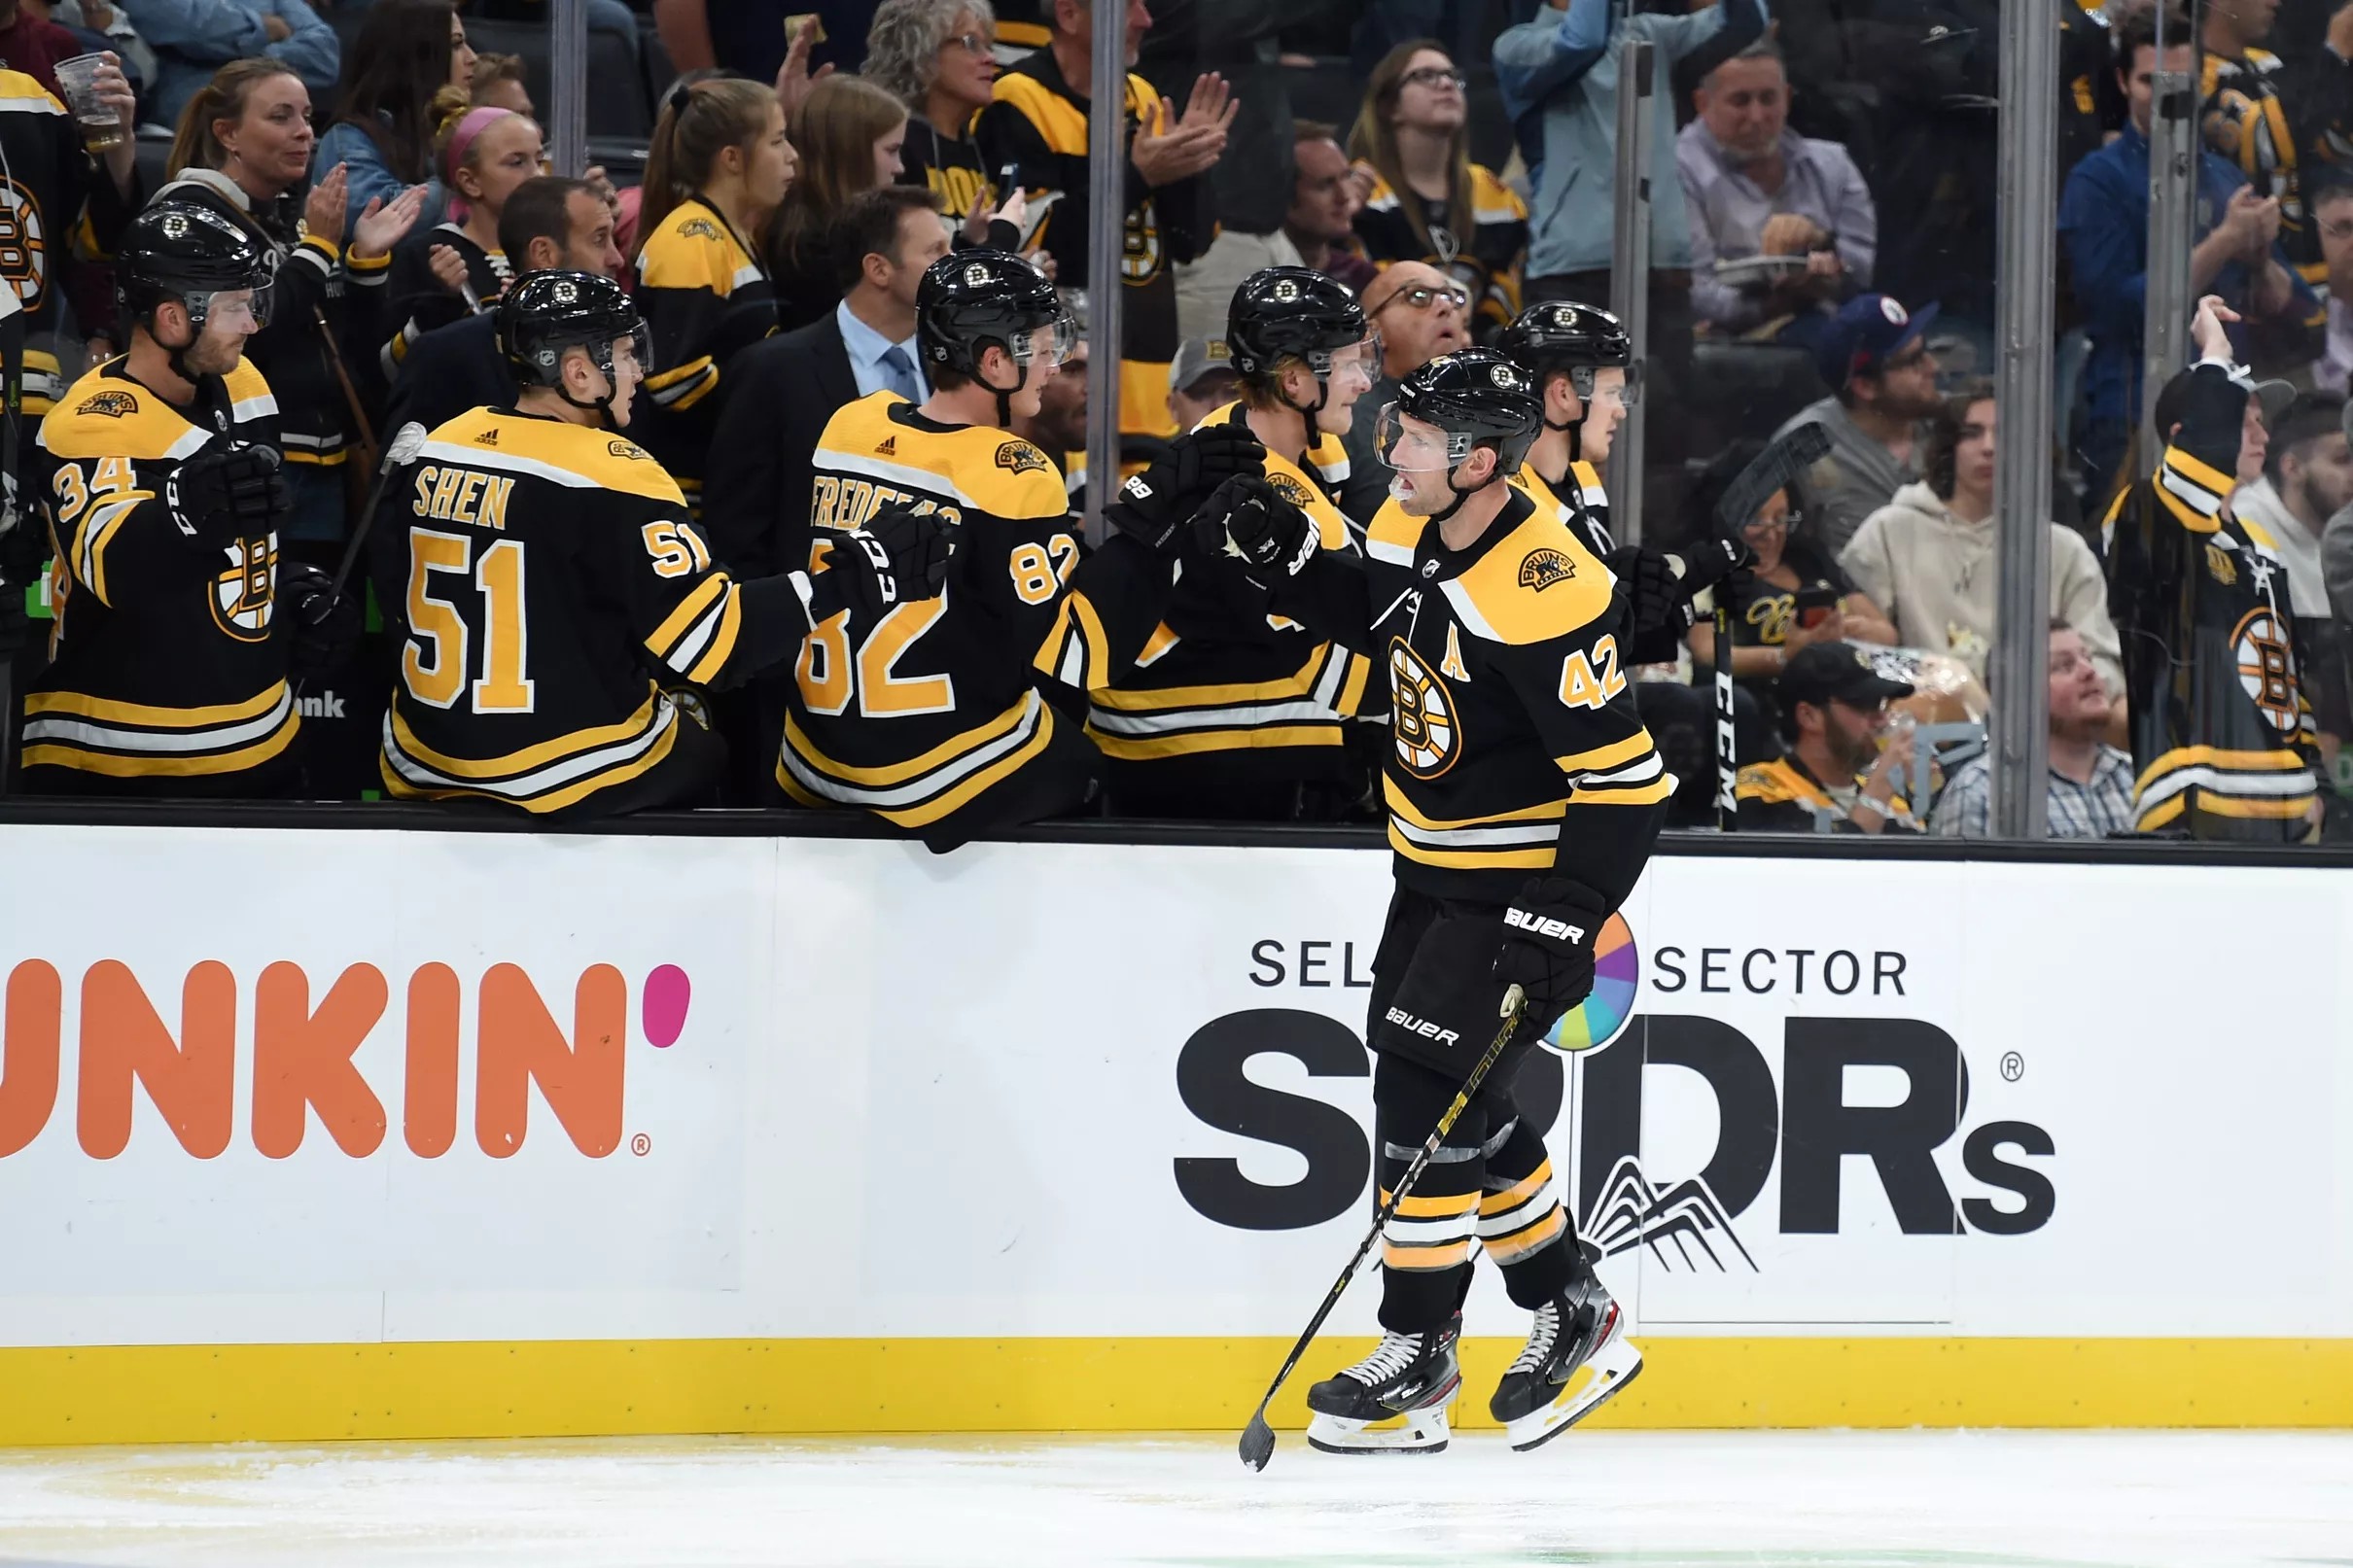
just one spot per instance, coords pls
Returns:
(225, 494)
(1153, 506)
(1249, 521)
(1549, 935)
(897, 557)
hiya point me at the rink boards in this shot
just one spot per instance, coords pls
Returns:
(313, 1134)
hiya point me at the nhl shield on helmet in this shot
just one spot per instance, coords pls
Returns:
(545, 313)
(186, 252)
(1291, 312)
(1562, 335)
(1475, 395)
(982, 297)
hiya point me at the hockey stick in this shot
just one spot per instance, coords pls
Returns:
(1772, 470)
(406, 442)
(1258, 1437)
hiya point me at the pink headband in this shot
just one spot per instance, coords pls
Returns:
(470, 126)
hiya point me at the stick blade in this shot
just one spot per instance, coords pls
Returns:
(1257, 1444)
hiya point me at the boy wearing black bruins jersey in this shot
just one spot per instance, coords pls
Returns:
(176, 621)
(1524, 797)
(558, 596)
(933, 716)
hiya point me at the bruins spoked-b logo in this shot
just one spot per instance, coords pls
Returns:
(2266, 668)
(242, 595)
(1422, 715)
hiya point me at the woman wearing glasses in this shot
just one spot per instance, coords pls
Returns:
(1428, 201)
(934, 56)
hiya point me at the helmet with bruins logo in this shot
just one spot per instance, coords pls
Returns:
(982, 298)
(187, 252)
(1477, 396)
(545, 314)
(1578, 339)
(1291, 312)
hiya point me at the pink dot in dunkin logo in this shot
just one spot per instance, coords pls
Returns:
(663, 1004)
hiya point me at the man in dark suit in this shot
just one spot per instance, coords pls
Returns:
(549, 223)
(755, 489)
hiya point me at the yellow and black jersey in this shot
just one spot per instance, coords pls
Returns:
(1515, 750)
(1219, 677)
(2222, 734)
(2246, 120)
(2092, 105)
(1040, 125)
(1482, 248)
(1578, 499)
(555, 591)
(948, 163)
(930, 712)
(1782, 797)
(416, 300)
(705, 296)
(57, 214)
(167, 659)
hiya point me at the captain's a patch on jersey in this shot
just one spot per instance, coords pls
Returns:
(1541, 568)
(1020, 457)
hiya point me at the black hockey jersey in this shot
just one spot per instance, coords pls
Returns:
(1040, 125)
(1517, 749)
(555, 588)
(1219, 675)
(1780, 796)
(53, 203)
(2272, 126)
(931, 712)
(705, 294)
(169, 662)
(1482, 248)
(2222, 735)
(416, 300)
(1579, 500)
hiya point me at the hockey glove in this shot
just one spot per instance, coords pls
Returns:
(1153, 506)
(871, 571)
(1653, 596)
(1549, 935)
(325, 624)
(227, 492)
(1248, 519)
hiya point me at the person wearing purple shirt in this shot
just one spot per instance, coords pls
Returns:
(1754, 188)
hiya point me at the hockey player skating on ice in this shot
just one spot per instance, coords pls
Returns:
(1523, 796)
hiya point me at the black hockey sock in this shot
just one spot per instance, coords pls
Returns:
(1425, 1253)
(1521, 1224)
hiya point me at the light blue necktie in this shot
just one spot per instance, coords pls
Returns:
(900, 373)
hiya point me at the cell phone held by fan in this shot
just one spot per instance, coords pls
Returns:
(1815, 603)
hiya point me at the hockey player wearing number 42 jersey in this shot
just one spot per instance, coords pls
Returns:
(1525, 796)
(563, 610)
(177, 625)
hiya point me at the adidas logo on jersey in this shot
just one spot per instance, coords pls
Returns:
(487, 437)
(1422, 1026)
(1544, 925)
(889, 447)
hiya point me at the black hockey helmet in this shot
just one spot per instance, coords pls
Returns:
(1563, 336)
(543, 314)
(974, 299)
(1295, 312)
(1475, 395)
(188, 252)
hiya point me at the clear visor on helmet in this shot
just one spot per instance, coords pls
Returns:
(635, 351)
(1407, 443)
(1358, 361)
(1585, 378)
(1051, 344)
(233, 310)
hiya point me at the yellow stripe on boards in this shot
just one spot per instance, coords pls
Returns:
(296, 1393)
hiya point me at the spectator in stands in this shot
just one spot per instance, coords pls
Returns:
(34, 37)
(195, 38)
(934, 57)
(1420, 313)
(2307, 479)
(1037, 122)
(2104, 224)
(848, 137)
(244, 145)
(1202, 381)
(1793, 595)
(1844, 770)
(549, 223)
(1321, 227)
(407, 52)
(1875, 358)
(2089, 795)
(498, 83)
(456, 267)
(718, 168)
(757, 504)
(1928, 554)
(2331, 200)
(2278, 120)
(748, 37)
(1427, 200)
(1756, 189)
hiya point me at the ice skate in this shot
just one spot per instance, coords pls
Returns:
(1577, 1356)
(1391, 1401)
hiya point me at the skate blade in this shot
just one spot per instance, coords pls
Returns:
(1602, 1377)
(1415, 1432)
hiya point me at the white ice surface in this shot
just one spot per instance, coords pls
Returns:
(1851, 1500)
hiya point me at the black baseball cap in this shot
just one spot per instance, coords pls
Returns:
(1820, 672)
